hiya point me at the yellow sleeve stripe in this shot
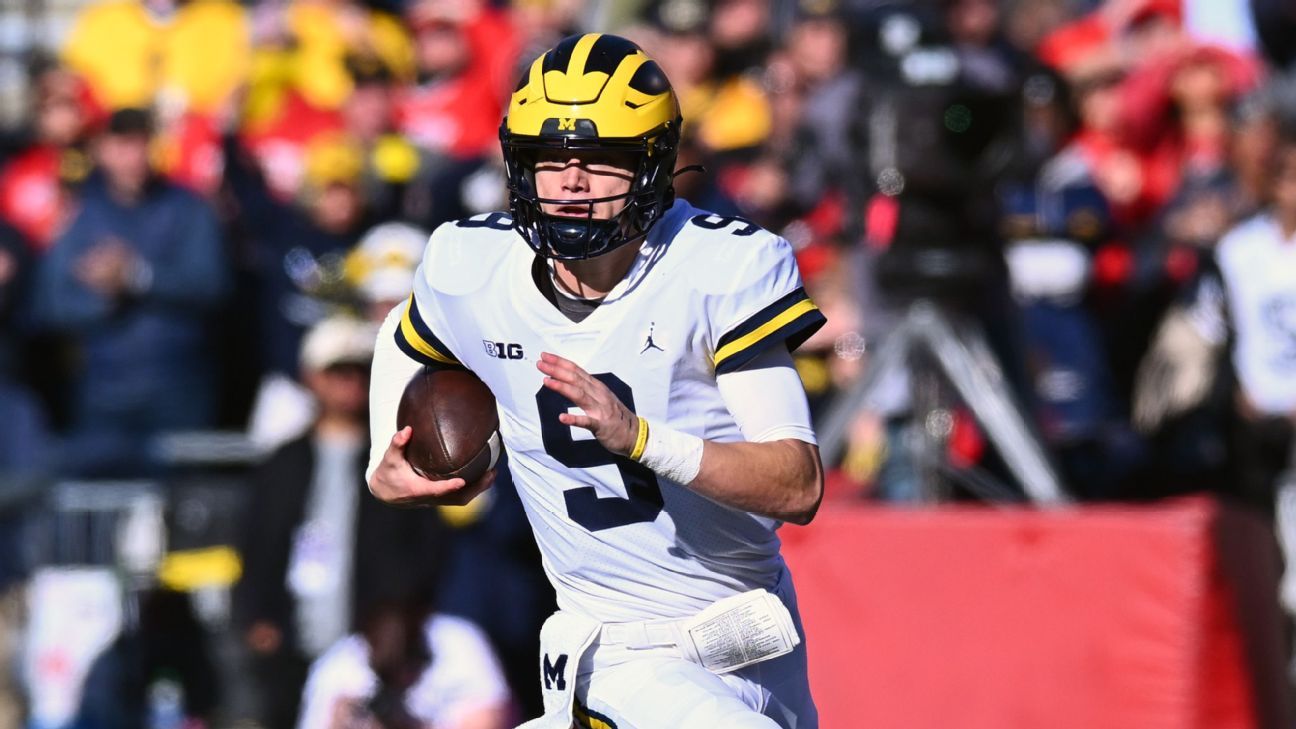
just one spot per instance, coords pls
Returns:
(744, 342)
(410, 335)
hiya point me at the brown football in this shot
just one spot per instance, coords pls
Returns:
(455, 425)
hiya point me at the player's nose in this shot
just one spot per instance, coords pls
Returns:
(574, 177)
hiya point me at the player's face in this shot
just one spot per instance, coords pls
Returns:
(583, 175)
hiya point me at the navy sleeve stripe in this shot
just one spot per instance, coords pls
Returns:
(793, 333)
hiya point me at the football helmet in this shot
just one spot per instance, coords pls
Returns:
(595, 92)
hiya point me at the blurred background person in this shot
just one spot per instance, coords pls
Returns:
(382, 265)
(191, 55)
(297, 254)
(408, 667)
(24, 427)
(1053, 218)
(133, 282)
(397, 175)
(163, 659)
(1259, 285)
(303, 47)
(25, 438)
(821, 152)
(463, 59)
(317, 547)
(36, 182)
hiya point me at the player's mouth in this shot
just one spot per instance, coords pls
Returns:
(571, 211)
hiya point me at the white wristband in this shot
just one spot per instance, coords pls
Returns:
(669, 453)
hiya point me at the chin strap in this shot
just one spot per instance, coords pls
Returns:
(689, 168)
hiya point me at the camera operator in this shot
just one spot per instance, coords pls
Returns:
(939, 128)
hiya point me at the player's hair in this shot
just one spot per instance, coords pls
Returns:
(594, 93)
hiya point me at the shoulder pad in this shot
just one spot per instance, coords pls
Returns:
(728, 254)
(462, 255)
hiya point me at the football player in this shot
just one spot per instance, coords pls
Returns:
(639, 352)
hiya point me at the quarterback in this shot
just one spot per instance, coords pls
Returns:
(639, 352)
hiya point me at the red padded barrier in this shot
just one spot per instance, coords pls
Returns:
(1144, 617)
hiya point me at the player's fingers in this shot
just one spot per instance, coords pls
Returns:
(563, 365)
(420, 492)
(448, 485)
(402, 436)
(395, 453)
(452, 492)
(554, 359)
(568, 390)
(558, 370)
(578, 421)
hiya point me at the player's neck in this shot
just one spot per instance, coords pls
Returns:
(593, 278)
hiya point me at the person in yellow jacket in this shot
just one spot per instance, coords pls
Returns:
(303, 48)
(192, 55)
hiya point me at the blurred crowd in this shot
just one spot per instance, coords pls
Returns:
(212, 203)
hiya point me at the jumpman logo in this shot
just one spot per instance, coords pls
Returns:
(650, 344)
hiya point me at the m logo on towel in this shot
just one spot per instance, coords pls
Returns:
(553, 672)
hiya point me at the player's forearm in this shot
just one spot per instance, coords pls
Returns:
(781, 479)
(391, 371)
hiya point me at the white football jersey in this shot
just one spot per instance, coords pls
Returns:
(706, 294)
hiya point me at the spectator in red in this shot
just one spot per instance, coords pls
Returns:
(189, 151)
(33, 184)
(455, 107)
(280, 143)
(1085, 52)
(1225, 150)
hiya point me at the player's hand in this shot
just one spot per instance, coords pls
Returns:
(612, 423)
(395, 482)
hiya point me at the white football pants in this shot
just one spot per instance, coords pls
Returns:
(656, 688)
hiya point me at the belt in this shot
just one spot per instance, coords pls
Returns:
(643, 634)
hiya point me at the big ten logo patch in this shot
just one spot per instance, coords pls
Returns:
(553, 672)
(503, 350)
